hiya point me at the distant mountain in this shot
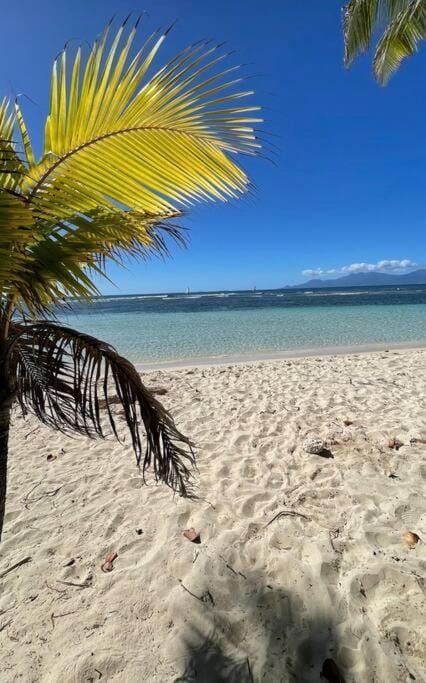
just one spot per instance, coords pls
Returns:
(374, 279)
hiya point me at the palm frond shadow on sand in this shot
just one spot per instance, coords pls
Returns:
(290, 644)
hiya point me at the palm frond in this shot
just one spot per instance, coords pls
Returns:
(71, 380)
(12, 168)
(15, 223)
(26, 142)
(123, 155)
(62, 263)
(400, 40)
(361, 18)
(16, 219)
(42, 261)
(152, 146)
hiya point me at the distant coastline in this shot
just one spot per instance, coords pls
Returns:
(373, 279)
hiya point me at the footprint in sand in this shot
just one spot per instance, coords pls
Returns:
(248, 508)
(114, 524)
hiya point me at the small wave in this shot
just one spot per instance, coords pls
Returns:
(218, 295)
(336, 293)
(149, 296)
(132, 297)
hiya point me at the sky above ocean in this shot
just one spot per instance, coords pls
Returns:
(347, 183)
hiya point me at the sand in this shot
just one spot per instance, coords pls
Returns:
(256, 600)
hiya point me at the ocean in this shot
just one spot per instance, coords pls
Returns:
(153, 328)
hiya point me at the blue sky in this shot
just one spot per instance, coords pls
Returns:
(348, 184)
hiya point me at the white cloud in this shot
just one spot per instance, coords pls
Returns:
(387, 265)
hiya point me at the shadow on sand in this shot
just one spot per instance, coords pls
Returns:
(288, 644)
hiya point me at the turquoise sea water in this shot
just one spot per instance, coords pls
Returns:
(149, 329)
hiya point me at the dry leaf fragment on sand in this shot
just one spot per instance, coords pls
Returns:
(107, 565)
(330, 671)
(411, 539)
(395, 444)
(192, 535)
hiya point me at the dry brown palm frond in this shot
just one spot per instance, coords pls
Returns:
(70, 381)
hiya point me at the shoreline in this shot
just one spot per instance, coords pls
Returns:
(240, 359)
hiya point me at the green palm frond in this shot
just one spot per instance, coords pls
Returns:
(361, 18)
(64, 261)
(403, 22)
(71, 381)
(16, 219)
(400, 40)
(15, 224)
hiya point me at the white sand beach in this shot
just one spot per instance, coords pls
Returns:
(265, 597)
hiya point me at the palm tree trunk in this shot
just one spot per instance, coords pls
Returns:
(7, 395)
(6, 399)
(4, 438)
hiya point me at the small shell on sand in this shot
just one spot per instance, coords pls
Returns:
(314, 446)
(411, 539)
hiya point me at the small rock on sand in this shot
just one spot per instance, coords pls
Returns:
(314, 446)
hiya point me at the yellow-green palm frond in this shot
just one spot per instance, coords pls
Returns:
(11, 166)
(123, 154)
(26, 142)
(115, 138)
(404, 25)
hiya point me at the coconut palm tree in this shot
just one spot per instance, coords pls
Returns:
(404, 24)
(123, 155)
